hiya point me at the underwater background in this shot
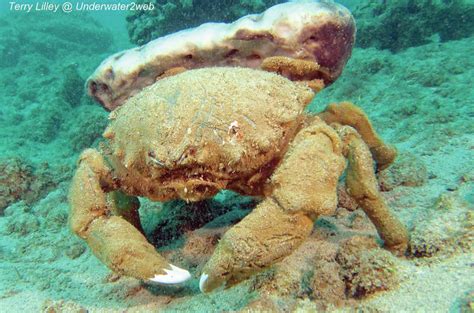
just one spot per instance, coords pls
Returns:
(412, 71)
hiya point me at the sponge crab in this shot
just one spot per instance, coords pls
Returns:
(200, 131)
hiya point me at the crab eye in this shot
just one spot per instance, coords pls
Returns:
(155, 161)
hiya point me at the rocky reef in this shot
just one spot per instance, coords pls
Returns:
(19, 38)
(398, 25)
(393, 25)
(43, 114)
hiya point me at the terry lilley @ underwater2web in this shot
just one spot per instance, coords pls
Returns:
(118, 6)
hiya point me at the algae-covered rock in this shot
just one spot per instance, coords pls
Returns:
(447, 201)
(445, 228)
(86, 128)
(43, 122)
(51, 34)
(397, 25)
(173, 15)
(327, 285)
(15, 179)
(72, 88)
(19, 180)
(75, 250)
(199, 245)
(329, 274)
(22, 225)
(344, 198)
(424, 243)
(365, 267)
(300, 272)
(40, 91)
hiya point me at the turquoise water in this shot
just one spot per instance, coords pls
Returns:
(411, 71)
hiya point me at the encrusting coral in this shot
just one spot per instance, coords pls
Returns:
(200, 131)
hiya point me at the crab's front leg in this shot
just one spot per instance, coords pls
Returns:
(105, 221)
(303, 187)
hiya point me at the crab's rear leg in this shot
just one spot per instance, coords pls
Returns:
(301, 189)
(113, 238)
(363, 187)
(349, 114)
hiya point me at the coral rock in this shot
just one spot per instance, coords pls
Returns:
(365, 267)
(446, 228)
(15, 179)
(327, 286)
(21, 181)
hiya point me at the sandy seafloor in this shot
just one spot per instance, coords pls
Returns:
(420, 99)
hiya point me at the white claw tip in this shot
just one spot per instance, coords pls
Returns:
(202, 281)
(174, 276)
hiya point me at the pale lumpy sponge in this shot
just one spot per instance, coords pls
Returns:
(318, 31)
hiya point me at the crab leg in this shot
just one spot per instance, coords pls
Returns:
(363, 187)
(303, 188)
(306, 71)
(112, 238)
(349, 114)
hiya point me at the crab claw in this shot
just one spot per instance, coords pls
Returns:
(208, 283)
(175, 275)
(219, 269)
(262, 238)
(202, 282)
